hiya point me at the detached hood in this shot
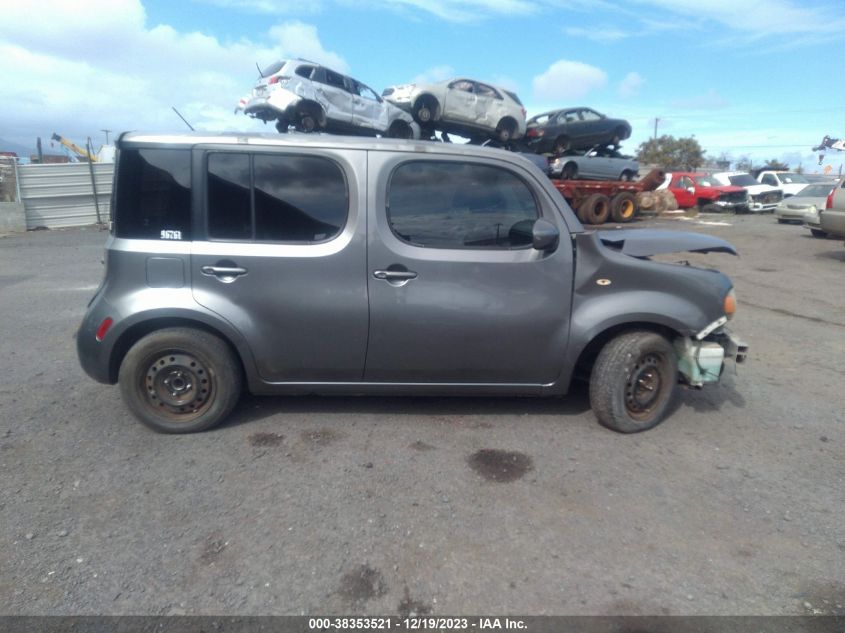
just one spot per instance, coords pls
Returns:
(648, 242)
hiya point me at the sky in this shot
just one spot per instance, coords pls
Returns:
(748, 78)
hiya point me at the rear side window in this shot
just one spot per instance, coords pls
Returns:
(275, 198)
(460, 205)
(153, 194)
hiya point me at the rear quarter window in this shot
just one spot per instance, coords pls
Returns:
(153, 194)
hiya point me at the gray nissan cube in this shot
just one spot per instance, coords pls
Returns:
(311, 264)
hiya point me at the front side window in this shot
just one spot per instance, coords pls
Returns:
(153, 194)
(275, 198)
(460, 205)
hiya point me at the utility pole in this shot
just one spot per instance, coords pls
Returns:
(107, 135)
(656, 119)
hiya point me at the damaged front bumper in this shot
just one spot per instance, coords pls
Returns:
(701, 360)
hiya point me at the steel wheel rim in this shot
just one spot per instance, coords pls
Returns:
(645, 387)
(424, 114)
(627, 209)
(178, 386)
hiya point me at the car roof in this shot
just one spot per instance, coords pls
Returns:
(294, 140)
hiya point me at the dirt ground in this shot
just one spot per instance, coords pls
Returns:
(735, 505)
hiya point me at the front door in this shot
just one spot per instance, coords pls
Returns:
(457, 293)
(280, 253)
(684, 190)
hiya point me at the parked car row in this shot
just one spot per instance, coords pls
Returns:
(310, 97)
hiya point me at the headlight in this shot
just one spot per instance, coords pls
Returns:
(730, 304)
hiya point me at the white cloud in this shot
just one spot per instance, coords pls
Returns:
(463, 10)
(599, 34)
(710, 100)
(269, 7)
(83, 66)
(434, 75)
(566, 80)
(630, 85)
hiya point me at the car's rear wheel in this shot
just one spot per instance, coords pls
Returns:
(818, 233)
(505, 131)
(180, 380)
(562, 144)
(595, 209)
(569, 171)
(633, 381)
(306, 121)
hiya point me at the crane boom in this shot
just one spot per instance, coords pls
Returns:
(79, 151)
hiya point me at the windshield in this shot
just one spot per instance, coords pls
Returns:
(742, 180)
(790, 178)
(815, 191)
(707, 181)
(272, 69)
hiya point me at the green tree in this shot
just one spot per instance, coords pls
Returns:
(744, 164)
(669, 152)
(775, 165)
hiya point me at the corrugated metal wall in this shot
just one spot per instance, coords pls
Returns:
(58, 196)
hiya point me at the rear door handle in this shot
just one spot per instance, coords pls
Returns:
(226, 274)
(395, 275)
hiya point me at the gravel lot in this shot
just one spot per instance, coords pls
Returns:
(735, 505)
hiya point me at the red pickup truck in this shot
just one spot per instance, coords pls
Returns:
(696, 189)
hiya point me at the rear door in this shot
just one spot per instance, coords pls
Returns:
(280, 253)
(457, 293)
(332, 93)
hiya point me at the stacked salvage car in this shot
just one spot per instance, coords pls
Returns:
(309, 97)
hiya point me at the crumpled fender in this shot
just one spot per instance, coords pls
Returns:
(648, 242)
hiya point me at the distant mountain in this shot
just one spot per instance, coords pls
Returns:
(17, 148)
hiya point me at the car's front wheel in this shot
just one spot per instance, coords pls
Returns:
(180, 380)
(633, 381)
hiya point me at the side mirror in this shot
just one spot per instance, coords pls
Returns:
(545, 235)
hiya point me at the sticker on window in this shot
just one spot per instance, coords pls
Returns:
(171, 235)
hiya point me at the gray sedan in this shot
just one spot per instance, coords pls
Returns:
(595, 164)
(803, 206)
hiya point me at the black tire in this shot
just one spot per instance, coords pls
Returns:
(818, 233)
(623, 207)
(562, 144)
(633, 380)
(710, 208)
(306, 121)
(595, 209)
(627, 176)
(400, 129)
(782, 221)
(425, 111)
(505, 131)
(569, 171)
(180, 380)
(282, 126)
